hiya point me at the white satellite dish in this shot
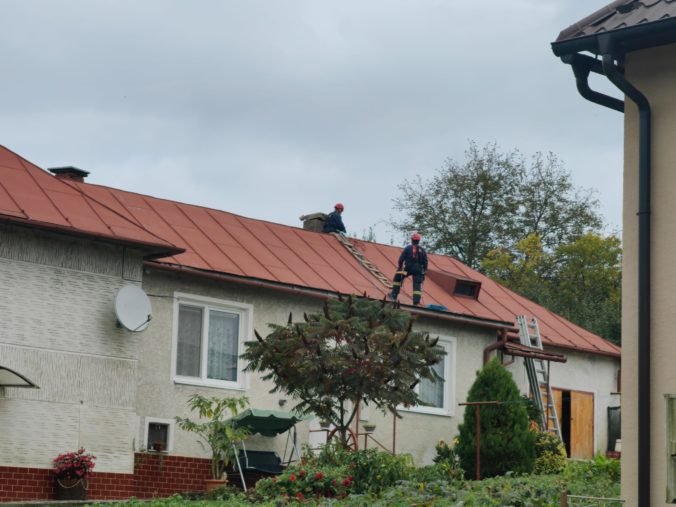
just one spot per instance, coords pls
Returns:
(132, 308)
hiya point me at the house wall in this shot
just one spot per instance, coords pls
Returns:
(160, 397)
(653, 73)
(590, 373)
(59, 330)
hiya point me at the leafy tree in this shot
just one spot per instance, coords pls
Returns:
(493, 200)
(580, 280)
(588, 284)
(507, 444)
(356, 349)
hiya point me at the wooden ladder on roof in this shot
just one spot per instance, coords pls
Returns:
(370, 267)
(538, 376)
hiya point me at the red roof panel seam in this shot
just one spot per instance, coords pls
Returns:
(566, 323)
(210, 212)
(32, 176)
(208, 237)
(135, 220)
(370, 278)
(88, 202)
(309, 265)
(347, 256)
(14, 201)
(269, 250)
(182, 211)
(184, 241)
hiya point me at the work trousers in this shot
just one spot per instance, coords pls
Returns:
(417, 285)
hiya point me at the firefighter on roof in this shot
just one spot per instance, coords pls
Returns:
(412, 261)
(334, 223)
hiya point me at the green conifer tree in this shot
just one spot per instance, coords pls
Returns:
(507, 444)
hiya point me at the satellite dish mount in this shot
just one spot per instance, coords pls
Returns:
(132, 308)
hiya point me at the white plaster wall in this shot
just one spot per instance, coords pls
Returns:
(160, 397)
(59, 330)
(593, 374)
(590, 373)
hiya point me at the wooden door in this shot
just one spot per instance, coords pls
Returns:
(581, 425)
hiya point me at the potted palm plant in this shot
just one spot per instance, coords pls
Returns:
(217, 430)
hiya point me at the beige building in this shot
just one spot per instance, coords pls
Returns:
(67, 247)
(633, 44)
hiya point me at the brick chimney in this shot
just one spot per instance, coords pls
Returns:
(69, 173)
(313, 221)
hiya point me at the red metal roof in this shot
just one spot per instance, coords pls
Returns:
(221, 242)
(31, 196)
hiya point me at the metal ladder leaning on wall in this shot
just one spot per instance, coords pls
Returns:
(370, 267)
(538, 376)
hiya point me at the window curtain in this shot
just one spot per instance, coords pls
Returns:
(223, 345)
(189, 351)
(432, 393)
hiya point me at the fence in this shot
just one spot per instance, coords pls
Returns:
(568, 500)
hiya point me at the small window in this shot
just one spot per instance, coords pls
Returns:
(159, 434)
(464, 288)
(209, 335)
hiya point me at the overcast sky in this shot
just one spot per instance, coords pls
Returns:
(276, 108)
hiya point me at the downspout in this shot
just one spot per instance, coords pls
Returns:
(582, 65)
(607, 47)
(502, 333)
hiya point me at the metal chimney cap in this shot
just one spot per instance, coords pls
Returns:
(69, 172)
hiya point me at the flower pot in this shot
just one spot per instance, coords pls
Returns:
(71, 489)
(212, 484)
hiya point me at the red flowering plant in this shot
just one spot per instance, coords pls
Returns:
(300, 484)
(73, 465)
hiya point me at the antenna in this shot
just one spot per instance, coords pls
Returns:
(132, 308)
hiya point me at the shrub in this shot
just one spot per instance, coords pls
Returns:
(550, 454)
(448, 461)
(507, 444)
(302, 483)
(597, 477)
(373, 470)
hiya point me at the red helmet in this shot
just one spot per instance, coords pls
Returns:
(415, 237)
(339, 205)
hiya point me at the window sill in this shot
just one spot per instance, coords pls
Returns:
(427, 411)
(234, 386)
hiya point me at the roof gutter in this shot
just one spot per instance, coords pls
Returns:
(609, 48)
(320, 294)
(152, 250)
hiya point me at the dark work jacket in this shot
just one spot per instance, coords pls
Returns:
(334, 223)
(414, 263)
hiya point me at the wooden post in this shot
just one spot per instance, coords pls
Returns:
(394, 434)
(563, 501)
(477, 411)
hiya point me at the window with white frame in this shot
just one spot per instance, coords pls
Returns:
(208, 339)
(438, 396)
